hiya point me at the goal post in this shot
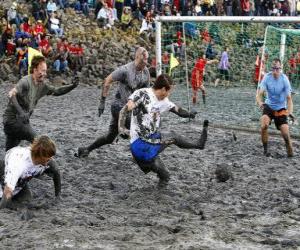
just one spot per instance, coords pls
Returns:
(222, 19)
(253, 42)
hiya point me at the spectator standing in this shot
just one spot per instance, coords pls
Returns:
(223, 68)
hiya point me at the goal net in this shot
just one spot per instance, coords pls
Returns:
(250, 44)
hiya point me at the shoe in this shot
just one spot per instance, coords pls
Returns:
(267, 154)
(82, 152)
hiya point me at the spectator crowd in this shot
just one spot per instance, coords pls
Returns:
(43, 25)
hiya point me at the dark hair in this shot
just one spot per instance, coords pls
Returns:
(35, 62)
(277, 60)
(201, 53)
(163, 81)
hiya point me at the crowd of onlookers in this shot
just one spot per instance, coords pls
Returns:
(43, 24)
(42, 31)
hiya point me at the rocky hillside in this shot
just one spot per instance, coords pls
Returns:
(104, 49)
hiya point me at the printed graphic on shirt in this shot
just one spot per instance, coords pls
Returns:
(19, 168)
(145, 120)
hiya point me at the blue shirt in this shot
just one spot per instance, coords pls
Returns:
(277, 90)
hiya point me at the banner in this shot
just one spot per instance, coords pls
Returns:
(31, 53)
(173, 63)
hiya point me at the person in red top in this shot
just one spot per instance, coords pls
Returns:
(38, 30)
(205, 36)
(62, 44)
(25, 26)
(110, 3)
(79, 51)
(197, 76)
(44, 45)
(176, 3)
(259, 68)
(292, 70)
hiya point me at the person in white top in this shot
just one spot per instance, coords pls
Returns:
(105, 17)
(146, 138)
(55, 25)
(22, 164)
(51, 6)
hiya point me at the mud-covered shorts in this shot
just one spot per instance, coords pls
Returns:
(279, 116)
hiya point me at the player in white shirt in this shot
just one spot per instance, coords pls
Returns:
(22, 164)
(146, 139)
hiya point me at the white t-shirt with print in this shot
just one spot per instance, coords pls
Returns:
(145, 118)
(19, 168)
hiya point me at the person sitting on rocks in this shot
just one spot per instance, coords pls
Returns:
(39, 9)
(147, 24)
(22, 34)
(38, 30)
(126, 18)
(105, 17)
(22, 56)
(7, 42)
(72, 55)
(82, 6)
(98, 6)
(51, 7)
(63, 4)
(78, 56)
(44, 45)
(12, 15)
(21, 165)
(62, 44)
(61, 63)
(25, 26)
(55, 25)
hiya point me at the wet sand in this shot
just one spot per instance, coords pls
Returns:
(108, 203)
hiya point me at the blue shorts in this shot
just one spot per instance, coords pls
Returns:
(144, 151)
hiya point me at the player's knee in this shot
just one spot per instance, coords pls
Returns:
(264, 126)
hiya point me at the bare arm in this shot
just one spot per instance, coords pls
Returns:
(106, 85)
(12, 92)
(259, 98)
(122, 117)
(6, 197)
(212, 61)
(290, 104)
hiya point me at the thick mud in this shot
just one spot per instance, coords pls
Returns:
(108, 203)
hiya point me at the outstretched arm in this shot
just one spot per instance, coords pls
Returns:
(53, 172)
(212, 61)
(64, 89)
(183, 113)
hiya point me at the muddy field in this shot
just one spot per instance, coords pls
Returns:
(108, 203)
